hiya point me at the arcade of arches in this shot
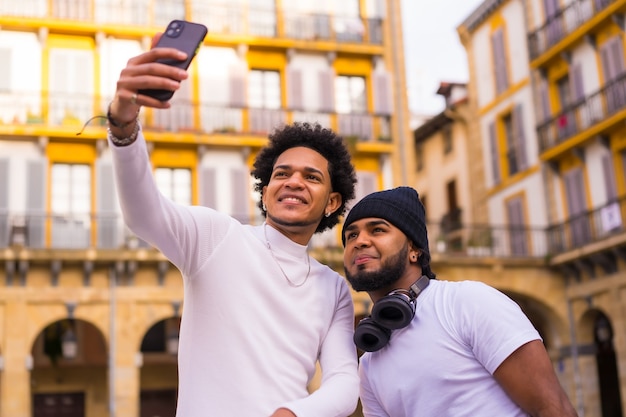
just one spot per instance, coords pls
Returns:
(58, 342)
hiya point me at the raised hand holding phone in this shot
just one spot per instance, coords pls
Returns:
(184, 36)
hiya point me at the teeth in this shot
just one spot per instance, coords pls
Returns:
(297, 200)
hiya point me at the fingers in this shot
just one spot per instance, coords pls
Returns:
(144, 72)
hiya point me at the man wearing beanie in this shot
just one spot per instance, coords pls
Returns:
(437, 348)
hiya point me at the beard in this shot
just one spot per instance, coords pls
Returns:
(390, 271)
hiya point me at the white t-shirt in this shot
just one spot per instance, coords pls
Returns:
(442, 364)
(249, 341)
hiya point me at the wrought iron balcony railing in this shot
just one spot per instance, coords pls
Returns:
(588, 227)
(73, 110)
(584, 114)
(220, 18)
(562, 23)
(106, 231)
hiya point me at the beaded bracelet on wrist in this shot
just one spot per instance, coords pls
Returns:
(127, 140)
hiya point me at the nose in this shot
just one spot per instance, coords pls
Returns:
(295, 180)
(362, 240)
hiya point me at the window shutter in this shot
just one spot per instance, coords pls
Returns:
(294, 89)
(327, 90)
(580, 231)
(609, 177)
(5, 69)
(499, 60)
(495, 154)
(208, 195)
(617, 52)
(241, 191)
(35, 201)
(237, 82)
(4, 202)
(515, 212)
(545, 100)
(107, 213)
(520, 142)
(577, 83)
(383, 103)
(366, 184)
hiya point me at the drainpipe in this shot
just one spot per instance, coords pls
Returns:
(580, 405)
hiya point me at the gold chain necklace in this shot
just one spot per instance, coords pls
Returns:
(308, 261)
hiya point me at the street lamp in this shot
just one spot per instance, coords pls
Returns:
(69, 343)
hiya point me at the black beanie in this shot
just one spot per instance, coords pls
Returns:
(401, 207)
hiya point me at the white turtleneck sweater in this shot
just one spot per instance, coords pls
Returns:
(249, 340)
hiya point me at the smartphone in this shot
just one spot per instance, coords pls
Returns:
(185, 36)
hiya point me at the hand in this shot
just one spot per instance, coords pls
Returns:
(283, 412)
(143, 72)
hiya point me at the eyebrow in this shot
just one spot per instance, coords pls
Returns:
(306, 169)
(370, 223)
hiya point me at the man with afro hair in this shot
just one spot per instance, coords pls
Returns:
(259, 312)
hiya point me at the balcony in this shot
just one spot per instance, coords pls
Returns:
(221, 19)
(583, 115)
(64, 114)
(597, 225)
(564, 22)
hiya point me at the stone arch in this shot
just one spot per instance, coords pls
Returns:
(598, 362)
(159, 366)
(63, 379)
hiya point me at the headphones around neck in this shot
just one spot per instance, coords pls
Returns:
(393, 311)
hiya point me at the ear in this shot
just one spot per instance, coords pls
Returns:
(263, 193)
(334, 202)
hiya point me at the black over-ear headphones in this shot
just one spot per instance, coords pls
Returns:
(393, 311)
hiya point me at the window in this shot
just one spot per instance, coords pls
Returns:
(175, 184)
(264, 89)
(71, 189)
(350, 94)
(71, 205)
(513, 131)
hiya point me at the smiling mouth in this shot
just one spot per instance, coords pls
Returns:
(292, 200)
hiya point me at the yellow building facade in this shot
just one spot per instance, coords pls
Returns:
(89, 314)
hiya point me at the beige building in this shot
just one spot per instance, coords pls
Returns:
(547, 96)
(88, 313)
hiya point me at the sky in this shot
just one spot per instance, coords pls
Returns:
(433, 50)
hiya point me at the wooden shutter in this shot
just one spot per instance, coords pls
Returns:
(499, 60)
(5, 69)
(4, 202)
(107, 213)
(383, 103)
(579, 228)
(241, 192)
(294, 89)
(609, 177)
(208, 194)
(545, 100)
(520, 138)
(327, 90)
(515, 212)
(237, 83)
(36, 201)
(366, 184)
(495, 154)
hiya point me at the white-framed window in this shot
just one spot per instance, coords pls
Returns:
(174, 183)
(264, 89)
(350, 94)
